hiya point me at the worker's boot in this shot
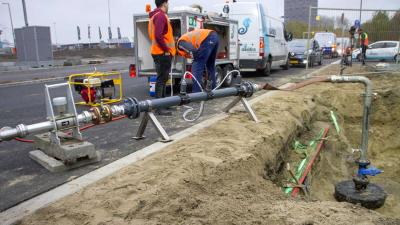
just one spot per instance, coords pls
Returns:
(160, 93)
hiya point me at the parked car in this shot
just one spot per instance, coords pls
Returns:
(263, 43)
(327, 41)
(381, 50)
(299, 52)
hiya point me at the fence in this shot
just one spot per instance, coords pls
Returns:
(381, 25)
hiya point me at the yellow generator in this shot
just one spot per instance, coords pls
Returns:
(97, 87)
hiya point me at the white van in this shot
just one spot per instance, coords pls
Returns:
(327, 41)
(262, 38)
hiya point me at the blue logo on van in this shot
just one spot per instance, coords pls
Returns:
(246, 25)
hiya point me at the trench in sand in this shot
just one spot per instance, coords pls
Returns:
(336, 161)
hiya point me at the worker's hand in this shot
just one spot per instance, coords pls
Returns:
(193, 54)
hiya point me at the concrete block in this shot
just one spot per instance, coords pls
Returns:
(46, 161)
(70, 150)
(54, 165)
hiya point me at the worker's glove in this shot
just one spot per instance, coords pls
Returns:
(193, 54)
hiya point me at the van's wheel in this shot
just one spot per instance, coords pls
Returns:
(219, 75)
(267, 69)
(229, 79)
(395, 58)
(286, 66)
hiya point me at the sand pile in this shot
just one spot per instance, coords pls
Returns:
(224, 174)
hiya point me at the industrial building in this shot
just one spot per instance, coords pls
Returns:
(298, 10)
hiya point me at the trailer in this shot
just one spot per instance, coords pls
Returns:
(181, 21)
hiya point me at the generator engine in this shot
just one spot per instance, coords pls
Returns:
(94, 89)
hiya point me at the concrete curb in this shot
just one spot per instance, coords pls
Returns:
(20, 83)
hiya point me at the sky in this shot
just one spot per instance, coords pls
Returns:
(64, 15)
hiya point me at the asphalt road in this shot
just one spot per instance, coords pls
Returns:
(43, 73)
(21, 178)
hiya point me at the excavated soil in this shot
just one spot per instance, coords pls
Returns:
(227, 173)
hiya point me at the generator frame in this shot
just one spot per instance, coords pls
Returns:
(115, 76)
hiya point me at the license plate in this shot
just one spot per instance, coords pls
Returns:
(293, 62)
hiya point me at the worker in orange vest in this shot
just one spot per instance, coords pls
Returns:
(202, 46)
(363, 37)
(162, 47)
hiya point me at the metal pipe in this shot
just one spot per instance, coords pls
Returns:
(131, 108)
(23, 130)
(367, 108)
(194, 97)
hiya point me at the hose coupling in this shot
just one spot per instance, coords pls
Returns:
(22, 130)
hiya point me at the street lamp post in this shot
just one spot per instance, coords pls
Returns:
(12, 25)
(109, 22)
(109, 14)
(360, 10)
(55, 34)
(25, 14)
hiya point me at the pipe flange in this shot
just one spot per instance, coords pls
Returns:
(106, 113)
(22, 131)
(363, 163)
(246, 90)
(96, 119)
(131, 108)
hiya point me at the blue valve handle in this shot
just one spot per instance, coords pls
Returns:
(371, 171)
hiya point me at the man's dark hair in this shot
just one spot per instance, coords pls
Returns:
(160, 2)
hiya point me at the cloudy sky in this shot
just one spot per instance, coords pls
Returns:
(65, 15)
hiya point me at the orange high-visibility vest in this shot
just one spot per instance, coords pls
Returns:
(195, 37)
(168, 38)
(366, 41)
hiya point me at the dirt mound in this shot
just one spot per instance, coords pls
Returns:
(226, 173)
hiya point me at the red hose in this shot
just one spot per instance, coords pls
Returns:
(80, 129)
(23, 140)
(309, 165)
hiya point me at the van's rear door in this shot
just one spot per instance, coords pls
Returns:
(249, 35)
(247, 15)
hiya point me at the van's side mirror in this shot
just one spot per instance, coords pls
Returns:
(289, 36)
